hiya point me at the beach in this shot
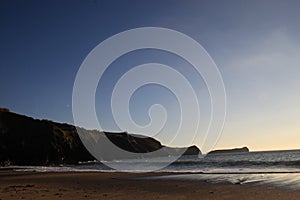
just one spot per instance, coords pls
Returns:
(117, 185)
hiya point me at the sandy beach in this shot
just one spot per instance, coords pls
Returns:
(92, 185)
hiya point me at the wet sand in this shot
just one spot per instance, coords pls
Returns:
(96, 185)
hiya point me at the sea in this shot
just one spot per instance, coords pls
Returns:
(277, 168)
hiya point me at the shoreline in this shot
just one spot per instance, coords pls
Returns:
(122, 185)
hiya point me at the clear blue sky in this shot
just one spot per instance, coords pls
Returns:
(255, 44)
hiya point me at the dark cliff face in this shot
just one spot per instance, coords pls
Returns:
(24, 141)
(229, 151)
(27, 141)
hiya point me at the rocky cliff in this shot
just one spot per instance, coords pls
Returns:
(28, 141)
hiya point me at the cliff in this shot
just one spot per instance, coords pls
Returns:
(28, 141)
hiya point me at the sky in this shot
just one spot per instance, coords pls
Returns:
(255, 44)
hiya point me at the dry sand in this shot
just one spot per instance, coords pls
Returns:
(82, 185)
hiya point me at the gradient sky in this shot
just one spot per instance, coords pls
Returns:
(255, 44)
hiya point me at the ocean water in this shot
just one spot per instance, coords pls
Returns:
(280, 168)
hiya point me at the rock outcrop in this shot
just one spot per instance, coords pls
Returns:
(192, 150)
(28, 141)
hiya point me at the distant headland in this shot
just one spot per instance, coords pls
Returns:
(229, 151)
